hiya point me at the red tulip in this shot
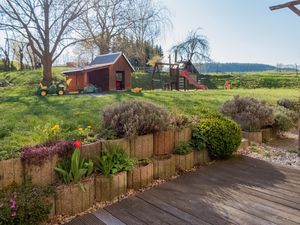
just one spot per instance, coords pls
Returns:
(77, 144)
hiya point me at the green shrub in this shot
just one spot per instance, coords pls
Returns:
(113, 160)
(291, 104)
(183, 148)
(74, 169)
(135, 118)
(221, 136)
(251, 114)
(283, 121)
(25, 204)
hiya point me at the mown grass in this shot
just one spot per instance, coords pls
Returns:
(23, 115)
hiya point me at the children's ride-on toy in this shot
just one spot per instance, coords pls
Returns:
(51, 88)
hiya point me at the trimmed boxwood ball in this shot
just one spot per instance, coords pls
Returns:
(221, 136)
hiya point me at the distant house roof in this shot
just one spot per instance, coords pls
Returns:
(101, 61)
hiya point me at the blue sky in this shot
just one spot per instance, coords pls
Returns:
(238, 30)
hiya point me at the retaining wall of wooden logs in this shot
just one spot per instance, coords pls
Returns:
(70, 199)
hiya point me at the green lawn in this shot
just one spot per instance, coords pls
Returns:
(23, 116)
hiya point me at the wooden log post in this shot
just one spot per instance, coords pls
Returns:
(163, 142)
(266, 135)
(11, 171)
(253, 136)
(43, 174)
(163, 168)
(201, 157)
(70, 199)
(141, 147)
(184, 135)
(109, 188)
(141, 176)
(90, 151)
(184, 162)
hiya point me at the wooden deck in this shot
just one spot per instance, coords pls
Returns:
(236, 191)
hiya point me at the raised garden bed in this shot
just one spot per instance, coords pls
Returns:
(109, 188)
(163, 166)
(42, 174)
(89, 151)
(141, 176)
(70, 199)
(141, 147)
(184, 162)
(184, 135)
(163, 142)
(11, 171)
(253, 136)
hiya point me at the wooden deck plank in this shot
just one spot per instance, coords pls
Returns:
(236, 191)
(261, 180)
(171, 209)
(124, 216)
(198, 209)
(107, 218)
(231, 176)
(148, 213)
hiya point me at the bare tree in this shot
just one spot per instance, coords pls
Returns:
(105, 20)
(108, 21)
(194, 47)
(151, 19)
(5, 53)
(47, 25)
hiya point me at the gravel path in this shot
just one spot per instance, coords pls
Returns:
(282, 150)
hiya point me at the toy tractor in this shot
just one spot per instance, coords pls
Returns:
(51, 88)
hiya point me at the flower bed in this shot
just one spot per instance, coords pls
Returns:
(163, 142)
(140, 176)
(163, 167)
(70, 199)
(110, 187)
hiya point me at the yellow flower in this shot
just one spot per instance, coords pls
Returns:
(136, 90)
(89, 127)
(55, 128)
(80, 129)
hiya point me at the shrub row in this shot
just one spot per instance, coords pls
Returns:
(253, 115)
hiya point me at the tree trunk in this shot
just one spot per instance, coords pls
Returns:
(47, 69)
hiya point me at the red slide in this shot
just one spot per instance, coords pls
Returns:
(185, 74)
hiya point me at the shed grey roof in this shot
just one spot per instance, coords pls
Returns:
(101, 61)
(109, 58)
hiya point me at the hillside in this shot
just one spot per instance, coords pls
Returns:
(233, 67)
(24, 116)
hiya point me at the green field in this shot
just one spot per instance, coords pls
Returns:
(269, 79)
(23, 115)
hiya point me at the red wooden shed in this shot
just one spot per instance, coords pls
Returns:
(107, 72)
